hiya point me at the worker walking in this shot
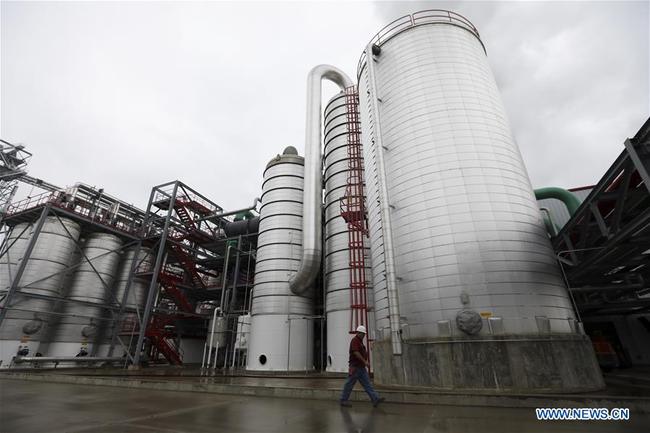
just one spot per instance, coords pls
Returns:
(358, 363)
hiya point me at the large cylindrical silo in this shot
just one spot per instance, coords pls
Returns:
(470, 260)
(336, 272)
(281, 324)
(26, 324)
(83, 326)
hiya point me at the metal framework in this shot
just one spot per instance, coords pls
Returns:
(353, 212)
(195, 262)
(604, 249)
(193, 266)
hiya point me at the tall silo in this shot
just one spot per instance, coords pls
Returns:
(468, 293)
(281, 337)
(83, 325)
(26, 323)
(337, 260)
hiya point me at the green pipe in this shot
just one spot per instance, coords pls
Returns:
(571, 202)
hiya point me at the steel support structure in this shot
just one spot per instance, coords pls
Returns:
(604, 249)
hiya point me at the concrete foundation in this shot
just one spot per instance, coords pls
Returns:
(523, 363)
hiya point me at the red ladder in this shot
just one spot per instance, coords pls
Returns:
(353, 212)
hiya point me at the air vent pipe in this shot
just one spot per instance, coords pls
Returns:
(310, 262)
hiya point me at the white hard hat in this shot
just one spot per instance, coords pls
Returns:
(361, 328)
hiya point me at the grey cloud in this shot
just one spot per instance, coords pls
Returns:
(128, 95)
(573, 76)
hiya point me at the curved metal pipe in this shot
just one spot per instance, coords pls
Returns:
(302, 280)
(571, 202)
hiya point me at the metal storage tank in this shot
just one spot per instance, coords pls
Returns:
(82, 328)
(459, 249)
(43, 275)
(11, 329)
(281, 325)
(336, 270)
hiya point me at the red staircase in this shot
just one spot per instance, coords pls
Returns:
(188, 265)
(354, 213)
(183, 205)
(162, 339)
(169, 284)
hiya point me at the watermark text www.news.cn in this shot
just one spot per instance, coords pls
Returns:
(582, 414)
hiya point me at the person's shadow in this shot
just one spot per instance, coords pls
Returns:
(368, 425)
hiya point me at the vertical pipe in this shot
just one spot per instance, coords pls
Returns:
(146, 315)
(233, 293)
(289, 343)
(214, 321)
(384, 207)
(224, 279)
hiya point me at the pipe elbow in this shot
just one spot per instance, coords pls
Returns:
(331, 73)
(301, 283)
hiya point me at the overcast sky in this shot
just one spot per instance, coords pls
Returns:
(128, 95)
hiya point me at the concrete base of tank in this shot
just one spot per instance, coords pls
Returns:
(558, 363)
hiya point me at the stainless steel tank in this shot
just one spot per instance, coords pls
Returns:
(281, 324)
(83, 327)
(27, 325)
(447, 187)
(336, 270)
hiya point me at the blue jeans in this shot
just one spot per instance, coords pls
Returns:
(360, 374)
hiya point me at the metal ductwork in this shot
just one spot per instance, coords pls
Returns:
(312, 194)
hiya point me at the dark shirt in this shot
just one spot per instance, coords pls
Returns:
(356, 345)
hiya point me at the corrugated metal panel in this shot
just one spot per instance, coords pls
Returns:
(281, 330)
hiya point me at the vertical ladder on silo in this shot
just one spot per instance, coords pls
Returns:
(354, 213)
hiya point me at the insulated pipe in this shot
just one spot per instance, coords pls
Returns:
(571, 202)
(310, 263)
(385, 212)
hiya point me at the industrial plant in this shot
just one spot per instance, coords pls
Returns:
(410, 213)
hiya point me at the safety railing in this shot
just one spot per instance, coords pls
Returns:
(85, 209)
(430, 16)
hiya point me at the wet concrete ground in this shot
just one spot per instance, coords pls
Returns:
(27, 407)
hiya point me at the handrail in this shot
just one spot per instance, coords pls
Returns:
(428, 16)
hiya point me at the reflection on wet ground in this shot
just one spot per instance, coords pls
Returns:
(27, 406)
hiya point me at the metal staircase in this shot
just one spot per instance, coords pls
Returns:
(161, 338)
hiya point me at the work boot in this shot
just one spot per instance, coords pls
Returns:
(345, 404)
(379, 400)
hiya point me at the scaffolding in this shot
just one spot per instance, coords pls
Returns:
(194, 267)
